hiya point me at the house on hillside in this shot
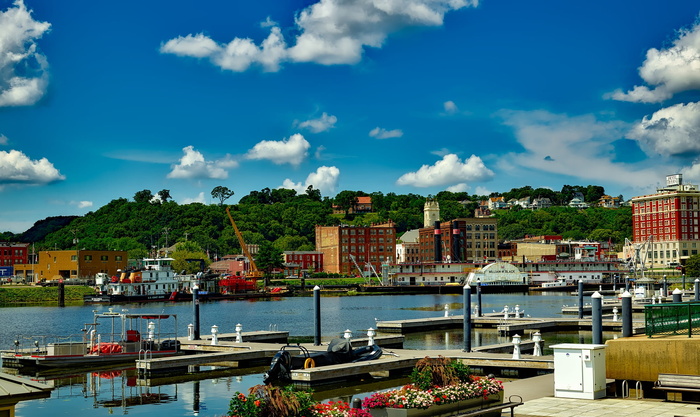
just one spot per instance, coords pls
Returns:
(361, 205)
(496, 203)
(609, 202)
(578, 201)
(542, 202)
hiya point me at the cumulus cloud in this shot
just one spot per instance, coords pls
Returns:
(193, 165)
(322, 124)
(482, 191)
(449, 170)
(291, 151)
(324, 179)
(458, 188)
(671, 131)
(3, 140)
(579, 146)
(668, 71)
(16, 168)
(329, 32)
(381, 133)
(450, 107)
(198, 199)
(23, 69)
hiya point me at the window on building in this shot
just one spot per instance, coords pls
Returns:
(104, 258)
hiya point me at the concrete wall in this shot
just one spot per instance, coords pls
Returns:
(641, 358)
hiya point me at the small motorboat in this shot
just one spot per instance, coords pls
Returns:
(112, 337)
(339, 351)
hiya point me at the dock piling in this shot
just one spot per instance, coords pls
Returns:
(195, 308)
(317, 316)
(479, 312)
(597, 313)
(467, 312)
(677, 295)
(697, 289)
(626, 314)
(580, 299)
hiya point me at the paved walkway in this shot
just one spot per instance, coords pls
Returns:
(538, 395)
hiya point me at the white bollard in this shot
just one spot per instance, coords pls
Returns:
(505, 312)
(370, 336)
(517, 311)
(516, 346)
(214, 335)
(614, 313)
(190, 331)
(653, 300)
(537, 338)
(347, 334)
(239, 337)
(151, 330)
(447, 310)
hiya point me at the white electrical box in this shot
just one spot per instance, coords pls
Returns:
(579, 371)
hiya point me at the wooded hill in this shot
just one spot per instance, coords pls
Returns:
(288, 220)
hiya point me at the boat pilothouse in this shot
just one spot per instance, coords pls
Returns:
(155, 280)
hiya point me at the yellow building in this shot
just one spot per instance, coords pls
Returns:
(53, 265)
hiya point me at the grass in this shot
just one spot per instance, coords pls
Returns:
(10, 294)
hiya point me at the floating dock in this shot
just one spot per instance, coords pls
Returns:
(508, 327)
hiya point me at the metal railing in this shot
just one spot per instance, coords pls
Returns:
(672, 319)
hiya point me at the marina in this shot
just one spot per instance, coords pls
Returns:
(209, 385)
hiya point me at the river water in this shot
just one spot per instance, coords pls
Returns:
(118, 392)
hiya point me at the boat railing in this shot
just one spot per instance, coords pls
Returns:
(41, 344)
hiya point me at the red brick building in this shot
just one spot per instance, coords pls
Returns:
(296, 262)
(461, 240)
(340, 244)
(667, 222)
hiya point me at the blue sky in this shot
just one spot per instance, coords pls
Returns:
(101, 99)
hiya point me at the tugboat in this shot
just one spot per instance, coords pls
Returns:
(155, 281)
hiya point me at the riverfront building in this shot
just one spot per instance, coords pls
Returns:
(12, 254)
(666, 223)
(472, 240)
(349, 248)
(64, 264)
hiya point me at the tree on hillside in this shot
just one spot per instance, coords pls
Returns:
(192, 251)
(268, 258)
(164, 195)
(313, 193)
(143, 196)
(221, 193)
(345, 200)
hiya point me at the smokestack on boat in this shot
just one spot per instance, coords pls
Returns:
(438, 242)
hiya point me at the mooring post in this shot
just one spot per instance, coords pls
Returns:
(665, 291)
(61, 293)
(580, 299)
(467, 312)
(697, 289)
(597, 317)
(677, 295)
(317, 316)
(479, 312)
(195, 308)
(627, 283)
(626, 314)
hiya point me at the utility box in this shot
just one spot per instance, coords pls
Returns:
(579, 371)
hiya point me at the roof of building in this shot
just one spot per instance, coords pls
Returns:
(364, 200)
(410, 236)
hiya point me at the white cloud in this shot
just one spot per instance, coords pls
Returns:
(288, 151)
(17, 168)
(3, 139)
(198, 199)
(458, 188)
(579, 146)
(381, 133)
(672, 130)
(82, 204)
(450, 107)
(329, 32)
(238, 55)
(23, 70)
(669, 70)
(482, 191)
(192, 165)
(324, 179)
(322, 124)
(449, 170)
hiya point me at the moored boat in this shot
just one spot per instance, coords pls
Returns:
(155, 280)
(112, 337)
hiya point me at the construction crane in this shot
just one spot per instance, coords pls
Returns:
(253, 271)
